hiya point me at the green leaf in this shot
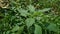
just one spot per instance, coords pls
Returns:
(45, 9)
(7, 32)
(20, 30)
(31, 8)
(23, 12)
(12, 33)
(38, 29)
(37, 13)
(30, 22)
(52, 27)
(15, 28)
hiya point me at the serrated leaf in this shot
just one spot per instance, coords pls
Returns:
(38, 29)
(31, 8)
(20, 30)
(45, 9)
(52, 27)
(23, 12)
(30, 22)
(15, 28)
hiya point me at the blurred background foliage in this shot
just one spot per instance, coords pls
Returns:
(30, 17)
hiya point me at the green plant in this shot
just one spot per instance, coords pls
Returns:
(22, 17)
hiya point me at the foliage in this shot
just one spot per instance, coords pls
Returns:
(30, 17)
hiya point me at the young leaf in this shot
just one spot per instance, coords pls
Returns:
(45, 9)
(23, 12)
(31, 8)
